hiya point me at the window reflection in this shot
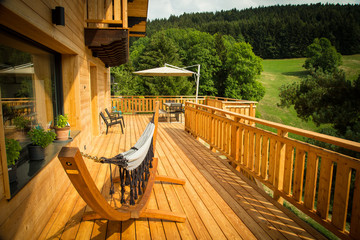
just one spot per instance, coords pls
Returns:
(28, 97)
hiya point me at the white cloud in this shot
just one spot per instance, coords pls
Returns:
(165, 8)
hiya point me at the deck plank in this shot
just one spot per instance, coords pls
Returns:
(216, 199)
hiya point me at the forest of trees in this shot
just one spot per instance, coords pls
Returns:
(229, 46)
(277, 31)
(228, 68)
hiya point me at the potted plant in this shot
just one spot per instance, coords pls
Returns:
(22, 124)
(40, 139)
(62, 127)
(13, 149)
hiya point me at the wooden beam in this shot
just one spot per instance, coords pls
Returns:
(98, 37)
(124, 14)
(109, 21)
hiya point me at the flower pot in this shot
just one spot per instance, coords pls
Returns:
(36, 153)
(62, 134)
(12, 174)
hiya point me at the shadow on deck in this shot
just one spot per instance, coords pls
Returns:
(218, 201)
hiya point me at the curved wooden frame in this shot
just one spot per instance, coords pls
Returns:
(80, 177)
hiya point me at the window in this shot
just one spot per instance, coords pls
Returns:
(31, 93)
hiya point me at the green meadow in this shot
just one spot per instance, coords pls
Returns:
(285, 71)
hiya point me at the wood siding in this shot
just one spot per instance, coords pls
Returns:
(33, 205)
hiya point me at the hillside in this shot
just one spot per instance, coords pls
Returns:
(277, 32)
(285, 71)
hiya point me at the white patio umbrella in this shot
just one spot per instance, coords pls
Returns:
(170, 70)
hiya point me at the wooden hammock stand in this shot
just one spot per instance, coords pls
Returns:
(74, 165)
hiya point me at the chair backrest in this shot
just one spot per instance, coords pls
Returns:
(104, 118)
(107, 112)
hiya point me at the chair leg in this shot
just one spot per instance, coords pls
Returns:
(123, 121)
(122, 130)
(107, 127)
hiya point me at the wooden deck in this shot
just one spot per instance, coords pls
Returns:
(218, 201)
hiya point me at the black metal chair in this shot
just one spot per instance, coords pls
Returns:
(111, 123)
(115, 116)
(176, 109)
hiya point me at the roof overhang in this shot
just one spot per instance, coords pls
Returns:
(110, 45)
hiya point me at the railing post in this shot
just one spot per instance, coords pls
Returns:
(279, 165)
(132, 105)
(251, 113)
(196, 123)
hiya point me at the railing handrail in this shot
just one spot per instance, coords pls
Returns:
(355, 146)
(152, 96)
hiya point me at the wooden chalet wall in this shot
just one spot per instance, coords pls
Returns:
(86, 87)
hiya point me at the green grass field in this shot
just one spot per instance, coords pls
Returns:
(285, 71)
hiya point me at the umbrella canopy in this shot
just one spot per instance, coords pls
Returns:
(165, 72)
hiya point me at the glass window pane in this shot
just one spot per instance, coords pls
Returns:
(28, 97)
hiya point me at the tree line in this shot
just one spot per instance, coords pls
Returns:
(229, 68)
(277, 31)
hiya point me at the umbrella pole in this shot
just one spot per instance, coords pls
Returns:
(197, 83)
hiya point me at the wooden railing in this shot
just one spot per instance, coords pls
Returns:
(142, 104)
(139, 104)
(19, 106)
(311, 178)
(244, 107)
(101, 13)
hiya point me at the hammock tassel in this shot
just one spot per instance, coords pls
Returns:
(122, 183)
(132, 200)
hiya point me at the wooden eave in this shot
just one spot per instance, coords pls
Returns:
(111, 45)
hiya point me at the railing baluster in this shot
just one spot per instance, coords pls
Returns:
(341, 195)
(228, 137)
(323, 200)
(251, 150)
(299, 174)
(272, 160)
(355, 215)
(288, 168)
(241, 144)
(235, 140)
(246, 148)
(257, 153)
(264, 157)
(310, 182)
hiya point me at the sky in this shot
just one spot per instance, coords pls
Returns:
(165, 8)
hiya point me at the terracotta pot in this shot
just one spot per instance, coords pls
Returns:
(36, 153)
(62, 134)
